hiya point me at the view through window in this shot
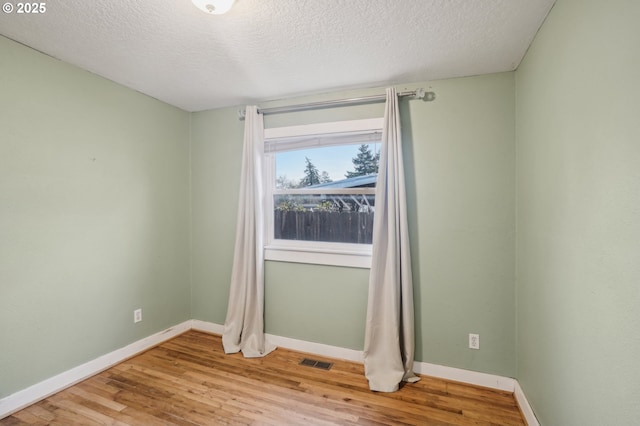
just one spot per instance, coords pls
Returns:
(326, 193)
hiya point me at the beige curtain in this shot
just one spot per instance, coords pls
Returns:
(389, 333)
(244, 325)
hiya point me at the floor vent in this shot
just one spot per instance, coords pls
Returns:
(316, 364)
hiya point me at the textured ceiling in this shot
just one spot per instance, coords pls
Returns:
(270, 49)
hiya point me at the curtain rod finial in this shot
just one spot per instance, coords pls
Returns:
(242, 113)
(424, 95)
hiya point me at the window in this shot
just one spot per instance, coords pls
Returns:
(320, 202)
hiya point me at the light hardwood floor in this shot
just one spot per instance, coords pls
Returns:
(190, 381)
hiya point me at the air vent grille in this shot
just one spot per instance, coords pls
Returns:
(323, 365)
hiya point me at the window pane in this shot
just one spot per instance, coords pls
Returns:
(329, 164)
(342, 218)
(330, 218)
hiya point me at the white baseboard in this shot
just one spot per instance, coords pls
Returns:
(294, 344)
(207, 327)
(466, 376)
(316, 348)
(39, 391)
(526, 409)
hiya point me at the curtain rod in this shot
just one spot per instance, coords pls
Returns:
(418, 94)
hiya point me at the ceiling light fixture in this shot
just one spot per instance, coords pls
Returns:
(214, 7)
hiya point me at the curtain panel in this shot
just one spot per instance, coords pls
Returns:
(389, 331)
(244, 324)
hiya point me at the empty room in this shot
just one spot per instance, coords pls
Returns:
(315, 212)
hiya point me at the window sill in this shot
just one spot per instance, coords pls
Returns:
(348, 258)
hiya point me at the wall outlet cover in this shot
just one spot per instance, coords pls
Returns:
(474, 341)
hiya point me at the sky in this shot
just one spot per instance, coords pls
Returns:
(335, 160)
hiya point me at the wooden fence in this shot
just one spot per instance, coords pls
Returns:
(336, 227)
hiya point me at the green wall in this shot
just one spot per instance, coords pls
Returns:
(94, 216)
(460, 181)
(578, 212)
(101, 193)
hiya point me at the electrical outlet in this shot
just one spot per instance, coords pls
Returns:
(137, 315)
(474, 341)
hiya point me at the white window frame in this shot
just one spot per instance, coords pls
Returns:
(313, 252)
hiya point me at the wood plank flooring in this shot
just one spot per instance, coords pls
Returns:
(189, 381)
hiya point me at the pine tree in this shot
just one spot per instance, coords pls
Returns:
(364, 163)
(324, 177)
(311, 174)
